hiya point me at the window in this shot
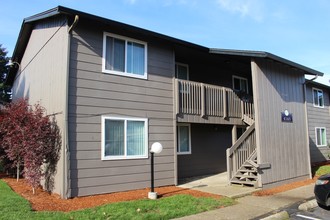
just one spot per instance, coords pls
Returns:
(124, 56)
(321, 137)
(240, 84)
(124, 138)
(184, 144)
(318, 98)
(181, 71)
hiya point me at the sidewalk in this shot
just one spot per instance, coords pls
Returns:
(250, 206)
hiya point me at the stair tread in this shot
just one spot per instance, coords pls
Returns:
(246, 176)
(247, 171)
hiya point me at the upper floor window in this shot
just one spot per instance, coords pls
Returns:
(124, 138)
(181, 71)
(240, 84)
(124, 56)
(318, 99)
(321, 137)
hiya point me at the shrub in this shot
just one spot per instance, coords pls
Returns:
(29, 138)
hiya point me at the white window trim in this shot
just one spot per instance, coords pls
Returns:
(144, 76)
(241, 78)
(103, 157)
(317, 106)
(181, 64)
(178, 136)
(325, 130)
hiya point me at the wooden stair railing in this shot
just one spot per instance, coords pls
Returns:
(242, 159)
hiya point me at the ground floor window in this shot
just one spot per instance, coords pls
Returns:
(124, 138)
(321, 137)
(184, 143)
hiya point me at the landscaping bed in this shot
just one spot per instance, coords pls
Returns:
(174, 202)
(318, 169)
(43, 201)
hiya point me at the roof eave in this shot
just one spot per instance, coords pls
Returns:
(262, 54)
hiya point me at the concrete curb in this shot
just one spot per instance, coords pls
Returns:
(280, 216)
(308, 205)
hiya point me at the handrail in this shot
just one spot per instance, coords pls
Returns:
(244, 150)
(241, 139)
(202, 99)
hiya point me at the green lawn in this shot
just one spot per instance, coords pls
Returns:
(13, 206)
(321, 170)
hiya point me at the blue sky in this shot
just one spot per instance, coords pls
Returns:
(298, 30)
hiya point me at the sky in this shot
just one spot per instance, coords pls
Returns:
(298, 30)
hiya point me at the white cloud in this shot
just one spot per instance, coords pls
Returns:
(246, 8)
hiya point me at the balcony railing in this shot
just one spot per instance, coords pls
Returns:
(195, 98)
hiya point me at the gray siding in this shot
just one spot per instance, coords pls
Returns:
(93, 93)
(318, 117)
(208, 151)
(43, 77)
(283, 145)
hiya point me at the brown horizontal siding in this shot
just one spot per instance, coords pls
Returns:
(85, 191)
(96, 163)
(115, 171)
(318, 117)
(96, 154)
(119, 179)
(93, 94)
(155, 82)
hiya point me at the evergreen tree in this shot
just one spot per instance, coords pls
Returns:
(5, 90)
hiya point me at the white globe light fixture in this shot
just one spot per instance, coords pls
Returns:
(156, 148)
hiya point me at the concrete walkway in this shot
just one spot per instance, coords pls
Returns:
(217, 184)
(250, 207)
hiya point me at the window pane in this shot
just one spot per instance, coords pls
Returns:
(115, 54)
(243, 85)
(315, 97)
(135, 58)
(119, 55)
(323, 136)
(237, 84)
(320, 98)
(114, 138)
(135, 138)
(109, 54)
(182, 72)
(183, 139)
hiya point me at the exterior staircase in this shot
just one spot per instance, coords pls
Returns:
(242, 165)
(200, 100)
(247, 174)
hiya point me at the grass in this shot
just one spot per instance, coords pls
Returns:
(13, 206)
(321, 170)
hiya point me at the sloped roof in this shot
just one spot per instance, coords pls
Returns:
(266, 55)
(28, 23)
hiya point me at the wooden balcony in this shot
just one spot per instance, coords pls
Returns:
(205, 103)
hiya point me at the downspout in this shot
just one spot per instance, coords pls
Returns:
(307, 126)
(66, 150)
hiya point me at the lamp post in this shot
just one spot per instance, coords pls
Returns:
(156, 148)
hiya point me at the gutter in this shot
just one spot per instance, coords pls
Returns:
(66, 190)
(310, 80)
